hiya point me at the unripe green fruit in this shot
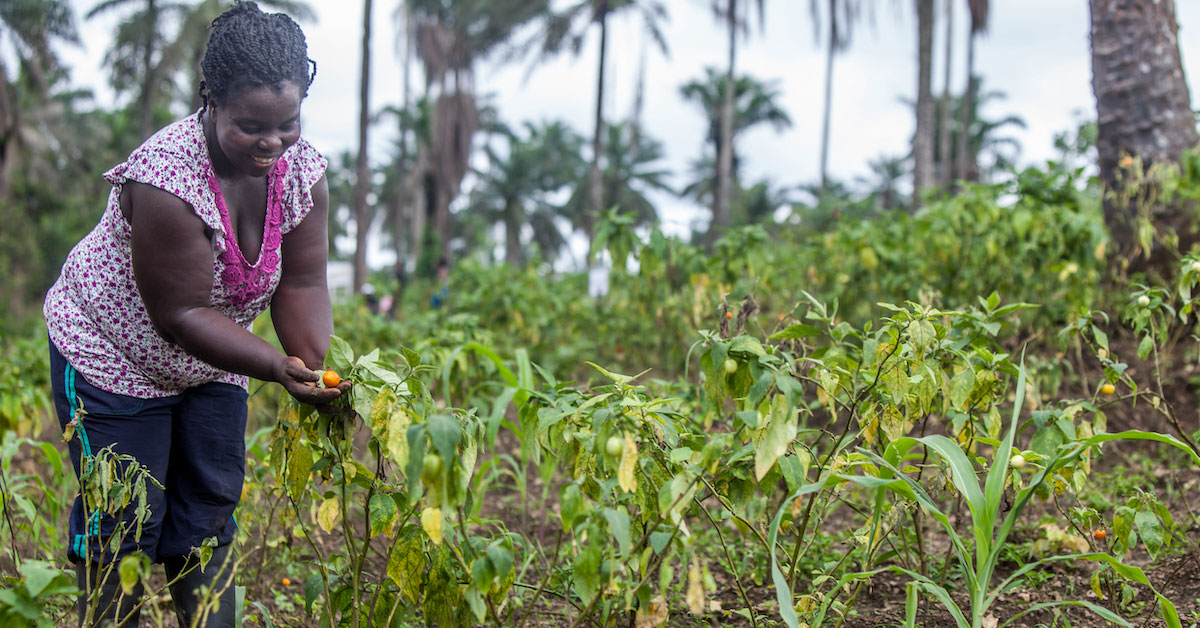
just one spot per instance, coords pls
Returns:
(1017, 461)
(1195, 267)
(613, 446)
(431, 468)
(1143, 300)
(731, 366)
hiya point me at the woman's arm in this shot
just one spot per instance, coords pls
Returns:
(301, 310)
(172, 264)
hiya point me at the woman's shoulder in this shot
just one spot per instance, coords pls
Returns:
(178, 149)
(305, 160)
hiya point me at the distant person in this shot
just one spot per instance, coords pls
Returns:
(209, 222)
(442, 275)
(371, 299)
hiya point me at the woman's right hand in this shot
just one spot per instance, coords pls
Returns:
(301, 382)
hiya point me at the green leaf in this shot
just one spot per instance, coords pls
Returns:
(618, 526)
(299, 463)
(586, 572)
(961, 386)
(407, 563)
(383, 513)
(339, 356)
(445, 433)
(1151, 531)
(773, 440)
(922, 333)
(312, 588)
(796, 331)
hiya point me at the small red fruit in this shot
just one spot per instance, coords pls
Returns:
(728, 315)
(1099, 534)
(331, 379)
(287, 582)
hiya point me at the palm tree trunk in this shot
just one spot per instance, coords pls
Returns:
(945, 162)
(149, 78)
(830, 51)
(362, 176)
(7, 132)
(512, 232)
(923, 137)
(403, 190)
(595, 180)
(724, 188)
(1143, 108)
(963, 166)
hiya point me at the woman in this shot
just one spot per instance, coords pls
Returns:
(149, 321)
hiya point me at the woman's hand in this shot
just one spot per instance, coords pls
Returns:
(301, 382)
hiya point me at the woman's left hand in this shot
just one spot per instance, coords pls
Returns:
(301, 382)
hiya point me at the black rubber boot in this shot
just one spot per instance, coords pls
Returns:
(109, 605)
(217, 578)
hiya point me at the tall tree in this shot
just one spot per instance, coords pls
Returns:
(135, 54)
(842, 14)
(632, 170)
(451, 36)
(735, 17)
(28, 31)
(1142, 104)
(979, 11)
(945, 170)
(568, 28)
(755, 103)
(519, 187)
(923, 137)
(362, 171)
(988, 152)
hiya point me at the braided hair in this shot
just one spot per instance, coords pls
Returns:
(247, 47)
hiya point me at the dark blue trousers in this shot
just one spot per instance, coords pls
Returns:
(192, 443)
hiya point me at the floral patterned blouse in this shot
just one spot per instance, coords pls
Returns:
(94, 313)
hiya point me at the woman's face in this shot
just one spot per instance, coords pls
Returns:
(256, 125)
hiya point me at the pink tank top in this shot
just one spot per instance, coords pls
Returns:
(94, 312)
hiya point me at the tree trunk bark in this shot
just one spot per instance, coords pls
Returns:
(512, 232)
(595, 179)
(362, 177)
(923, 137)
(1143, 108)
(724, 188)
(149, 78)
(945, 161)
(830, 51)
(966, 117)
(404, 203)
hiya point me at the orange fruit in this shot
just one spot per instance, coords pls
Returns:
(287, 582)
(728, 315)
(331, 379)
(1107, 389)
(1099, 534)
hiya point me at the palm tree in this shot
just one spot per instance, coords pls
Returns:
(135, 55)
(362, 176)
(883, 182)
(519, 186)
(842, 15)
(1143, 107)
(184, 53)
(450, 37)
(28, 31)
(979, 10)
(755, 103)
(988, 152)
(568, 28)
(945, 171)
(923, 137)
(631, 172)
(734, 16)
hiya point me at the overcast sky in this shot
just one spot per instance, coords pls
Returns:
(1036, 52)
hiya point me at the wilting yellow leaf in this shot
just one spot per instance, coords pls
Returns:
(431, 522)
(653, 614)
(695, 590)
(627, 472)
(329, 514)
